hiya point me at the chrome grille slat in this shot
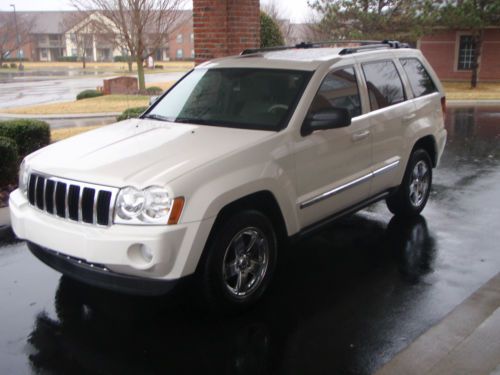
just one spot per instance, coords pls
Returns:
(94, 203)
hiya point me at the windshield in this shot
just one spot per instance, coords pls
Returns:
(233, 97)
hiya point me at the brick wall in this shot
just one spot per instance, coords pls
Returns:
(441, 50)
(224, 27)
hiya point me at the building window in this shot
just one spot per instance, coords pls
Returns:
(192, 37)
(466, 52)
(179, 38)
(179, 54)
(74, 52)
(192, 53)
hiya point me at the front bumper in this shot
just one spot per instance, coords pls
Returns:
(176, 249)
(100, 276)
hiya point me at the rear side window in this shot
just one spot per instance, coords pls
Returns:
(420, 81)
(384, 84)
(339, 89)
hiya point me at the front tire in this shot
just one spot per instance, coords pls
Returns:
(239, 262)
(411, 197)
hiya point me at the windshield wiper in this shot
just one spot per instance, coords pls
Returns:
(188, 120)
(154, 116)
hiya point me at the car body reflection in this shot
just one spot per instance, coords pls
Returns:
(102, 332)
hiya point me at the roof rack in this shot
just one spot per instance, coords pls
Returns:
(363, 45)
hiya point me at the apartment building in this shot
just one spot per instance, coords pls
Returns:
(55, 35)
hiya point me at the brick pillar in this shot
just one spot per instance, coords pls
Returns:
(224, 27)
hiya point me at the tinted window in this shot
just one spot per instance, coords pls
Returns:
(240, 98)
(384, 84)
(339, 89)
(420, 81)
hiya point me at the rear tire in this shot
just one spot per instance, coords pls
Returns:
(412, 195)
(238, 263)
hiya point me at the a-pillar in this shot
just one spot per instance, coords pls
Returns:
(224, 27)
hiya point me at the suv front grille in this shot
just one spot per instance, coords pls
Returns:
(72, 200)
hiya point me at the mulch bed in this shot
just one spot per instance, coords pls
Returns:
(4, 194)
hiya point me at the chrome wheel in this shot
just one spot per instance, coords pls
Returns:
(419, 183)
(245, 262)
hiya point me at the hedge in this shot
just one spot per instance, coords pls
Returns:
(131, 113)
(86, 94)
(154, 90)
(123, 58)
(29, 135)
(8, 161)
(67, 58)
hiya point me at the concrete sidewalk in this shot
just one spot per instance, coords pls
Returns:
(467, 341)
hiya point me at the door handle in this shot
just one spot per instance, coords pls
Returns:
(409, 117)
(360, 135)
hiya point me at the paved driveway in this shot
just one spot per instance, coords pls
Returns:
(344, 301)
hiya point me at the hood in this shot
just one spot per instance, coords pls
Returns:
(140, 152)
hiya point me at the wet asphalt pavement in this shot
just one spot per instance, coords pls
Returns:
(30, 88)
(344, 301)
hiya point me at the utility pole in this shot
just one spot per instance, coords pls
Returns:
(20, 55)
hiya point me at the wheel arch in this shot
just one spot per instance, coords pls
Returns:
(429, 144)
(263, 201)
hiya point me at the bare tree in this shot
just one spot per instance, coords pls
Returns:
(10, 40)
(141, 25)
(81, 29)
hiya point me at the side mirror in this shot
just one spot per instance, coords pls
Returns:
(153, 99)
(326, 119)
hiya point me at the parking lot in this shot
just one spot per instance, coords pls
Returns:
(344, 301)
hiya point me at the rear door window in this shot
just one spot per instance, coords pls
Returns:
(384, 84)
(420, 81)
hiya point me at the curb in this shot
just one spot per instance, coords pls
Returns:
(472, 102)
(60, 117)
(5, 228)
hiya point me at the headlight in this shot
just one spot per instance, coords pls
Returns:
(130, 203)
(152, 205)
(24, 175)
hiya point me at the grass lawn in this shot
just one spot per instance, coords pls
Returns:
(62, 133)
(101, 104)
(111, 66)
(107, 103)
(462, 91)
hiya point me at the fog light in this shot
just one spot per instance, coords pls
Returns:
(141, 256)
(146, 253)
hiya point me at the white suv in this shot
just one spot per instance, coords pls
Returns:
(242, 154)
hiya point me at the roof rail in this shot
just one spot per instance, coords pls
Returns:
(364, 45)
(383, 44)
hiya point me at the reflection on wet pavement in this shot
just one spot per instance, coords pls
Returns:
(343, 301)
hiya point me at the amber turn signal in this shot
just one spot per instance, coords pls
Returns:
(176, 211)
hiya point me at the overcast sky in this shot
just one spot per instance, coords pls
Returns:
(297, 10)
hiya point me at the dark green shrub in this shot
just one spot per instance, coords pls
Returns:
(8, 161)
(154, 90)
(86, 94)
(13, 65)
(5, 66)
(270, 33)
(131, 113)
(122, 58)
(29, 135)
(158, 66)
(67, 58)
